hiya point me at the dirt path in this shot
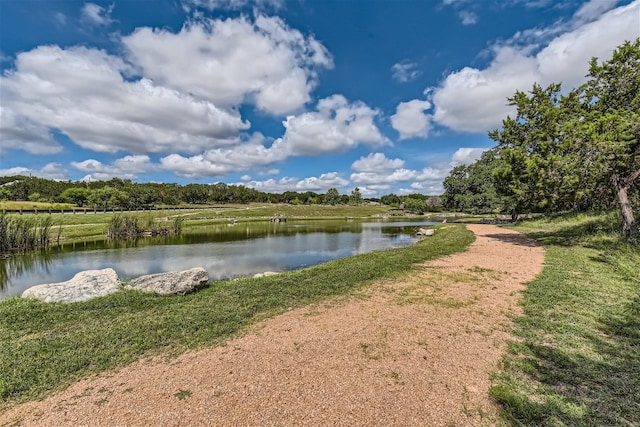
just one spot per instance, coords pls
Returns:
(411, 353)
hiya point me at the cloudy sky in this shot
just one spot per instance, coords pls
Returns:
(301, 95)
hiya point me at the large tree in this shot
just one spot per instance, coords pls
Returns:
(610, 128)
(564, 151)
(470, 188)
(534, 173)
(332, 197)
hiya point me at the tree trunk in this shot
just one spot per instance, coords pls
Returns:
(622, 197)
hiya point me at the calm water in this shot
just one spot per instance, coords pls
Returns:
(225, 251)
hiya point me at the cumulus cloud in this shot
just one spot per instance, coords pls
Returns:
(96, 15)
(405, 71)
(593, 9)
(474, 100)
(316, 184)
(246, 155)
(376, 173)
(376, 162)
(48, 171)
(233, 60)
(171, 93)
(127, 167)
(465, 156)
(336, 125)
(377, 178)
(20, 133)
(82, 92)
(410, 119)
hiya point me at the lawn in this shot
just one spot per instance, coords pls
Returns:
(577, 360)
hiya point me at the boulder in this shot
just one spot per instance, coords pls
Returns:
(82, 287)
(425, 232)
(173, 282)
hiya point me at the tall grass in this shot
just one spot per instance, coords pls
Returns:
(21, 234)
(127, 225)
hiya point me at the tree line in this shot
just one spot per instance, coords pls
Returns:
(575, 151)
(117, 193)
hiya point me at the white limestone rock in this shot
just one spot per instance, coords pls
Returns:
(82, 287)
(170, 283)
(425, 232)
(265, 274)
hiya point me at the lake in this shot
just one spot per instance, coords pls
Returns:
(226, 251)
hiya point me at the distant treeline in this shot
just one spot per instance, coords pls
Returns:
(124, 194)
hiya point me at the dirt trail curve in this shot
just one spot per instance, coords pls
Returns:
(412, 353)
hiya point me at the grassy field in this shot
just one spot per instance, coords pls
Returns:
(27, 205)
(577, 362)
(44, 347)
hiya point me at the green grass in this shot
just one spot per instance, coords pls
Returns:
(266, 210)
(44, 347)
(578, 360)
(9, 204)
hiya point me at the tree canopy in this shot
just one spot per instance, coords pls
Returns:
(563, 151)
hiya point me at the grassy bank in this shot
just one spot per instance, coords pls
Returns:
(44, 347)
(578, 361)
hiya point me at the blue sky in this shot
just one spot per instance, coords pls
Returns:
(301, 95)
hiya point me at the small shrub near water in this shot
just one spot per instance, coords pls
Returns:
(125, 226)
(20, 234)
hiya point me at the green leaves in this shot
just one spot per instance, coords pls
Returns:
(574, 151)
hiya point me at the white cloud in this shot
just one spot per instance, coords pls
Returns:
(231, 61)
(174, 93)
(410, 120)
(336, 125)
(243, 156)
(463, 7)
(48, 171)
(474, 100)
(375, 173)
(82, 92)
(376, 162)
(20, 133)
(317, 184)
(468, 17)
(96, 15)
(232, 4)
(127, 167)
(465, 156)
(376, 178)
(405, 71)
(18, 170)
(594, 9)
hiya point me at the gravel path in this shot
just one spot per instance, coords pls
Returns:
(417, 352)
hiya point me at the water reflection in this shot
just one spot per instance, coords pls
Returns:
(224, 250)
